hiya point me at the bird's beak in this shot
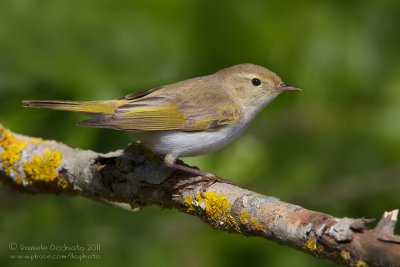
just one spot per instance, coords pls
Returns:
(285, 87)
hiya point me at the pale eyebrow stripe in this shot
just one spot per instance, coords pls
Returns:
(256, 75)
(247, 75)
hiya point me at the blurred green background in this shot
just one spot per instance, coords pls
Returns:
(334, 147)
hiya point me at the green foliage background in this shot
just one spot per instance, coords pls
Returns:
(334, 147)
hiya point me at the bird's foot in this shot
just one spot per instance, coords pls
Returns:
(208, 176)
(210, 180)
(191, 170)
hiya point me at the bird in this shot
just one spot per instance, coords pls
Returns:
(188, 118)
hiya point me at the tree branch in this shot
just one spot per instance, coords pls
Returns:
(133, 178)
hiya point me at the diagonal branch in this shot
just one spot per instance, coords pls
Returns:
(133, 178)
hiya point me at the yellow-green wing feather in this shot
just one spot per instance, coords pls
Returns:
(162, 111)
(156, 118)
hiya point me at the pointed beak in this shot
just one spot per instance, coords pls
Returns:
(285, 87)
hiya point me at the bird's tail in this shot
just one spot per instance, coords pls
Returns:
(88, 107)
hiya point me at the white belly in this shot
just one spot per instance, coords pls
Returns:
(186, 144)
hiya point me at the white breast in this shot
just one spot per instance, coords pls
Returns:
(190, 143)
(184, 144)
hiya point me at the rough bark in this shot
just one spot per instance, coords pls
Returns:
(133, 178)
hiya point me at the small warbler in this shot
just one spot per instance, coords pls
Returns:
(187, 118)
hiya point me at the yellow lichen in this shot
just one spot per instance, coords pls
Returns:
(311, 245)
(12, 148)
(40, 168)
(314, 247)
(244, 217)
(216, 205)
(19, 179)
(213, 207)
(345, 255)
(62, 183)
(189, 204)
(35, 140)
(361, 263)
(256, 224)
(43, 168)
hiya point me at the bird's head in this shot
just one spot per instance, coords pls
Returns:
(251, 85)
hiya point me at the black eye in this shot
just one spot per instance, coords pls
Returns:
(255, 81)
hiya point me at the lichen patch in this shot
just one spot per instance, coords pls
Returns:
(345, 255)
(314, 247)
(246, 219)
(256, 224)
(44, 167)
(12, 149)
(214, 208)
(361, 263)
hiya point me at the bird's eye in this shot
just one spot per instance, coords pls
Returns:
(255, 81)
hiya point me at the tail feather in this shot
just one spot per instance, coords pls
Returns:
(104, 121)
(53, 104)
(89, 107)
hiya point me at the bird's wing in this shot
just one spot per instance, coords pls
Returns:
(162, 111)
(137, 95)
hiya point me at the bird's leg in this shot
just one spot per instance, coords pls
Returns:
(170, 161)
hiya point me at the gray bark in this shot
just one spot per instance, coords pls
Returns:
(133, 178)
